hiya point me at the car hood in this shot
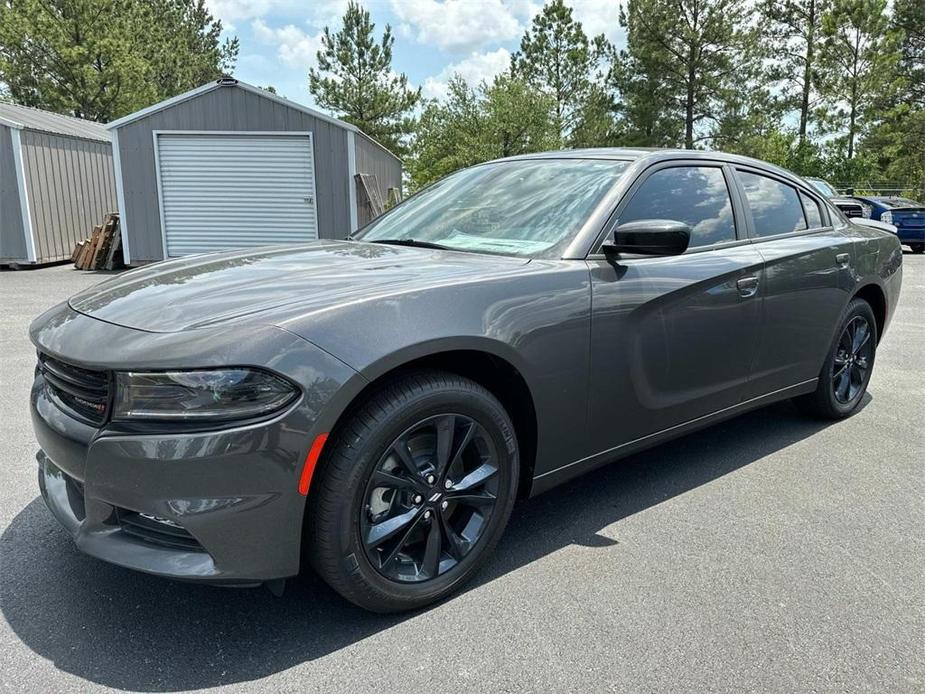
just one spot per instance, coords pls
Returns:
(265, 284)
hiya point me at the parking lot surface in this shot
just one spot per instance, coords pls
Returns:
(768, 553)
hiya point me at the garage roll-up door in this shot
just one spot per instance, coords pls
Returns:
(219, 192)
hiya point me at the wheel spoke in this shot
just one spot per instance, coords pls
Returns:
(455, 545)
(478, 500)
(837, 374)
(381, 478)
(389, 528)
(446, 427)
(841, 387)
(397, 548)
(860, 336)
(463, 444)
(475, 478)
(401, 450)
(430, 565)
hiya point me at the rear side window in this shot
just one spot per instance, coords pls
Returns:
(695, 195)
(775, 206)
(812, 210)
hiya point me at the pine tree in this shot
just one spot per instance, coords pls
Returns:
(102, 59)
(686, 54)
(355, 80)
(859, 54)
(793, 31)
(556, 57)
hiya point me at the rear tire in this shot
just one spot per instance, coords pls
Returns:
(848, 366)
(413, 492)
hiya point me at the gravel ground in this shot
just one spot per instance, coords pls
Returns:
(768, 553)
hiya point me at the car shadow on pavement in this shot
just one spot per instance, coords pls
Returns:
(127, 630)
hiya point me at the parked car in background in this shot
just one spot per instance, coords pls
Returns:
(851, 208)
(908, 216)
(375, 405)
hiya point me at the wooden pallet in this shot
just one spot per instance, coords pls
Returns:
(371, 187)
(98, 252)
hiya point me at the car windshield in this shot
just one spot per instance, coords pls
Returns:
(895, 203)
(522, 208)
(823, 187)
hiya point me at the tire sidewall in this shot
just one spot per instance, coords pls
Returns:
(472, 403)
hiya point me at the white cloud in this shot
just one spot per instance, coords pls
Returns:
(316, 13)
(474, 69)
(457, 25)
(598, 17)
(295, 48)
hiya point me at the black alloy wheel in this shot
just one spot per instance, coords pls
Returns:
(852, 360)
(429, 498)
(413, 491)
(848, 366)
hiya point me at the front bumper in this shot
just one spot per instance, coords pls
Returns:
(217, 506)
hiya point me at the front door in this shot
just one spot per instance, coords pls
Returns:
(674, 338)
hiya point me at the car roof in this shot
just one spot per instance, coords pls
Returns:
(654, 155)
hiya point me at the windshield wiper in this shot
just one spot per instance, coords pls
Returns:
(412, 242)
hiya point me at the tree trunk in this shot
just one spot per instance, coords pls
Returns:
(807, 71)
(689, 103)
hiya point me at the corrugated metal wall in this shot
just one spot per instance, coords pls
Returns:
(71, 187)
(373, 159)
(226, 109)
(12, 240)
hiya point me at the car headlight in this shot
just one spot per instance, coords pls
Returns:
(204, 394)
(887, 217)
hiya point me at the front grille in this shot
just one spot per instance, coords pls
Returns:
(157, 531)
(83, 392)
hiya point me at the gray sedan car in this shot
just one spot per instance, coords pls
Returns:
(374, 406)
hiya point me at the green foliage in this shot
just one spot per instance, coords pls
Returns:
(102, 59)
(859, 54)
(684, 57)
(792, 35)
(557, 58)
(501, 119)
(355, 80)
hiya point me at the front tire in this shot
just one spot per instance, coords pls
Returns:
(414, 491)
(848, 366)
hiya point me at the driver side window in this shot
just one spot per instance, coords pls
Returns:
(695, 195)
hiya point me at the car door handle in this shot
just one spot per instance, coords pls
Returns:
(747, 286)
(842, 259)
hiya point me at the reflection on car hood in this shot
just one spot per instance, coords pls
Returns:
(205, 290)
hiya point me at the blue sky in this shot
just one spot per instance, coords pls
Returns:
(433, 38)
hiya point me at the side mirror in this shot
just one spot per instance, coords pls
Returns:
(649, 237)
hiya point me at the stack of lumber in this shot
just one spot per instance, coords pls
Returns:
(370, 184)
(100, 250)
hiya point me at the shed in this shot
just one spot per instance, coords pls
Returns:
(56, 183)
(229, 165)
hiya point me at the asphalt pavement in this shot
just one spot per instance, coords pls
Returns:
(769, 553)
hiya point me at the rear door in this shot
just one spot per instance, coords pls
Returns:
(673, 338)
(807, 275)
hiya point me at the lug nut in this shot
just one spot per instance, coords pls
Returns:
(427, 515)
(444, 504)
(418, 498)
(448, 484)
(430, 479)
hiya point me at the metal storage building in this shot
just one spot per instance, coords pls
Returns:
(56, 183)
(229, 165)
